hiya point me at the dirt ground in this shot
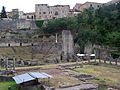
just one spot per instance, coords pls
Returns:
(61, 78)
(63, 75)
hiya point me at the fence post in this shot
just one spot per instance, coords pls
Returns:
(6, 60)
(116, 61)
(13, 63)
(110, 60)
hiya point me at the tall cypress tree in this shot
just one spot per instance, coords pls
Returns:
(3, 13)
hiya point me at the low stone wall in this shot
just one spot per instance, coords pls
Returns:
(5, 78)
(35, 87)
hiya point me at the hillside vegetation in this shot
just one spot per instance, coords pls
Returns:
(100, 27)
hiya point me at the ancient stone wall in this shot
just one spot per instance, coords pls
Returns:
(67, 46)
(7, 25)
(17, 24)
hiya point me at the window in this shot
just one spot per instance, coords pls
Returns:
(54, 17)
(27, 17)
(32, 17)
(56, 13)
(44, 12)
(39, 12)
(98, 6)
(90, 5)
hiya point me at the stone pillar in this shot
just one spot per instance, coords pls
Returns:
(88, 50)
(67, 47)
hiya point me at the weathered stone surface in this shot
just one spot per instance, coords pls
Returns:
(67, 46)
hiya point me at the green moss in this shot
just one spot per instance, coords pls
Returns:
(5, 85)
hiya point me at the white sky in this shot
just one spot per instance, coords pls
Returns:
(29, 5)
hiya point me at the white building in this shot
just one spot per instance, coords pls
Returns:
(30, 16)
(112, 2)
(22, 15)
(44, 12)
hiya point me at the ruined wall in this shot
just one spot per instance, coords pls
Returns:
(17, 24)
(46, 46)
(88, 48)
(67, 46)
(7, 24)
(26, 24)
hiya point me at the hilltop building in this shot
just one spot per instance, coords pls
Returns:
(16, 14)
(30, 16)
(45, 12)
(81, 7)
(22, 15)
(112, 2)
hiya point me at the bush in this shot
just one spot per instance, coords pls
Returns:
(39, 23)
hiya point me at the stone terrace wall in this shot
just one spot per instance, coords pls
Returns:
(7, 24)
(17, 24)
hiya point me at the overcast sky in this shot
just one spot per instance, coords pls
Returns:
(29, 5)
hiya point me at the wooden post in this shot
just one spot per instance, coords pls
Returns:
(95, 54)
(13, 63)
(88, 57)
(99, 56)
(104, 60)
(95, 58)
(1, 62)
(56, 38)
(116, 61)
(6, 60)
(110, 60)
(32, 51)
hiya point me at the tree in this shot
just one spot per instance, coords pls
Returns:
(113, 39)
(57, 25)
(3, 13)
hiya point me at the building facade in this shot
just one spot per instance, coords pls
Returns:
(22, 15)
(30, 16)
(81, 7)
(45, 12)
(112, 2)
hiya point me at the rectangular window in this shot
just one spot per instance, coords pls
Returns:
(44, 12)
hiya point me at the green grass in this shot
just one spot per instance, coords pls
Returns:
(105, 75)
(5, 85)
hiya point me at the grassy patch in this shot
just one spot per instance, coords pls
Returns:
(104, 74)
(5, 85)
(64, 81)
